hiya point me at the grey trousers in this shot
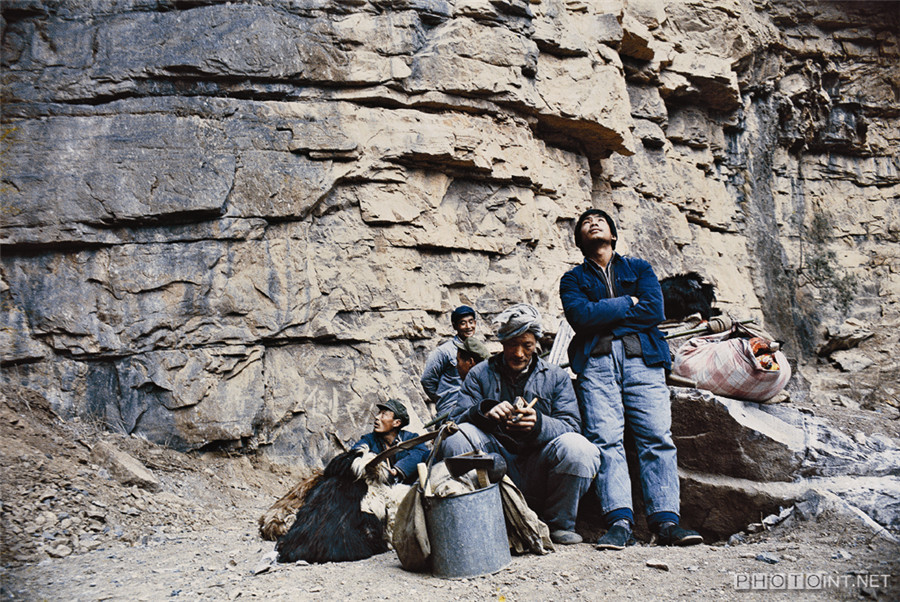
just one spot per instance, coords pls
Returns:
(552, 478)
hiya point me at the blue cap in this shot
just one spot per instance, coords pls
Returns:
(459, 313)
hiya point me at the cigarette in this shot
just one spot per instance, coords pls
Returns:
(518, 417)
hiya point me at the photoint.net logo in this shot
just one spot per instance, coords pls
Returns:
(778, 581)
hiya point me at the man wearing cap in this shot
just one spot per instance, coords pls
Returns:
(468, 354)
(614, 304)
(389, 422)
(440, 379)
(547, 457)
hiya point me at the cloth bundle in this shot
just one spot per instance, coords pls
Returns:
(734, 366)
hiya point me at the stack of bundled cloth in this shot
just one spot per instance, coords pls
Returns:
(730, 358)
(741, 361)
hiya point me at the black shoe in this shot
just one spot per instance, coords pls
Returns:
(671, 534)
(564, 537)
(615, 539)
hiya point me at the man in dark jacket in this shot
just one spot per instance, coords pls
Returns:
(546, 456)
(387, 432)
(614, 304)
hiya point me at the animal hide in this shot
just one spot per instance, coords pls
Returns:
(276, 521)
(345, 515)
(687, 294)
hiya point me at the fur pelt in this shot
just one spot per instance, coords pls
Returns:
(276, 521)
(346, 514)
(688, 294)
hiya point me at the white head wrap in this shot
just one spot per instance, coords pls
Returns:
(517, 320)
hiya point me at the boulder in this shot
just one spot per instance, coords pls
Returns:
(124, 468)
(721, 505)
(722, 436)
(831, 452)
(739, 461)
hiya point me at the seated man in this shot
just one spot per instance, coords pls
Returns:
(546, 456)
(440, 379)
(468, 353)
(389, 422)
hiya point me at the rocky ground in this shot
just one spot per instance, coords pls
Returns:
(76, 527)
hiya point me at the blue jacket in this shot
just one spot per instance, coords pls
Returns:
(405, 461)
(592, 314)
(440, 378)
(557, 407)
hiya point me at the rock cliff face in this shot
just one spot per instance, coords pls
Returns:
(242, 224)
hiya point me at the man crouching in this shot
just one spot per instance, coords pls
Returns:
(548, 460)
(387, 432)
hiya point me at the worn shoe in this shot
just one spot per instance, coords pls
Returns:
(565, 538)
(615, 539)
(671, 534)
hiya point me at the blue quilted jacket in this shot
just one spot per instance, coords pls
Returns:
(592, 314)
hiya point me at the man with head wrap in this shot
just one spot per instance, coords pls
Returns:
(547, 457)
(614, 303)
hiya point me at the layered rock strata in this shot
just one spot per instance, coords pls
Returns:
(241, 224)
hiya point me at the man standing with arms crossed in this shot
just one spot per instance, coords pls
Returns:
(614, 305)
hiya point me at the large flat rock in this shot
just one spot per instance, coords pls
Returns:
(722, 436)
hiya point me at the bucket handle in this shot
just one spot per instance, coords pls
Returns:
(447, 428)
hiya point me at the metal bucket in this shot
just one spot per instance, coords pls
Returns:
(467, 533)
